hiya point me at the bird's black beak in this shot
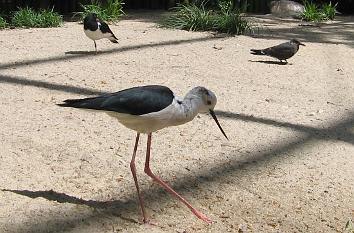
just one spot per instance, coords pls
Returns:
(302, 44)
(212, 113)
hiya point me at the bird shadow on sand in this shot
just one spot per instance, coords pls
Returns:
(79, 52)
(110, 207)
(52, 195)
(271, 62)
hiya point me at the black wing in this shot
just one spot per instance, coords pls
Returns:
(134, 101)
(105, 29)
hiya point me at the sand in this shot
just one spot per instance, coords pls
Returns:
(288, 166)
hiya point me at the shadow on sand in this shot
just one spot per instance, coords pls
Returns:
(271, 62)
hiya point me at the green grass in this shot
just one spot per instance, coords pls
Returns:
(316, 13)
(27, 17)
(3, 23)
(24, 17)
(48, 18)
(93, 8)
(190, 17)
(229, 20)
(194, 17)
(111, 11)
(114, 9)
(311, 12)
(329, 10)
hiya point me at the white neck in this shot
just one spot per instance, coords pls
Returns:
(187, 109)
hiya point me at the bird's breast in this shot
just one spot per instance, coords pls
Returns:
(172, 115)
(96, 35)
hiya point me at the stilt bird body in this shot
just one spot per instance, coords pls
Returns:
(147, 109)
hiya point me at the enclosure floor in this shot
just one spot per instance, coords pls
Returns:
(288, 166)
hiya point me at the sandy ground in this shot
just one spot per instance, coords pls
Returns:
(288, 166)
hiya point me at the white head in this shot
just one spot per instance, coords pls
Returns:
(207, 102)
(207, 99)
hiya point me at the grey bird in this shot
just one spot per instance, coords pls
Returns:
(282, 51)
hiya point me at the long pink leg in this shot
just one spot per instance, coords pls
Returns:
(148, 171)
(133, 169)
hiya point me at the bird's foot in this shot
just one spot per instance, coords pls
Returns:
(202, 216)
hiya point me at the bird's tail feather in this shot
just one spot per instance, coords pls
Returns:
(113, 39)
(257, 52)
(94, 103)
(74, 103)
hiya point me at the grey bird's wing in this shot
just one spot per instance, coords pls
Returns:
(134, 101)
(282, 51)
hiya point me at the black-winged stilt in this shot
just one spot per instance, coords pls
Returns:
(96, 29)
(282, 51)
(147, 109)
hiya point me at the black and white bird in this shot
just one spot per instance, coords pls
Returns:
(96, 29)
(147, 109)
(282, 51)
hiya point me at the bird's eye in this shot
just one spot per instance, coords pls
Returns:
(209, 102)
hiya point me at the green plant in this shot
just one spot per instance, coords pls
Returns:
(49, 18)
(114, 9)
(230, 21)
(111, 11)
(27, 17)
(194, 17)
(311, 12)
(315, 13)
(329, 10)
(94, 7)
(190, 17)
(3, 22)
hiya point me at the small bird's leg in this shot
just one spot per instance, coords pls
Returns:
(95, 46)
(148, 171)
(133, 169)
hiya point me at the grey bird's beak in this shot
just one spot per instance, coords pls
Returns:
(302, 44)
(212, 113)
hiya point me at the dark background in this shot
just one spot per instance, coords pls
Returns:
(69, 6)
